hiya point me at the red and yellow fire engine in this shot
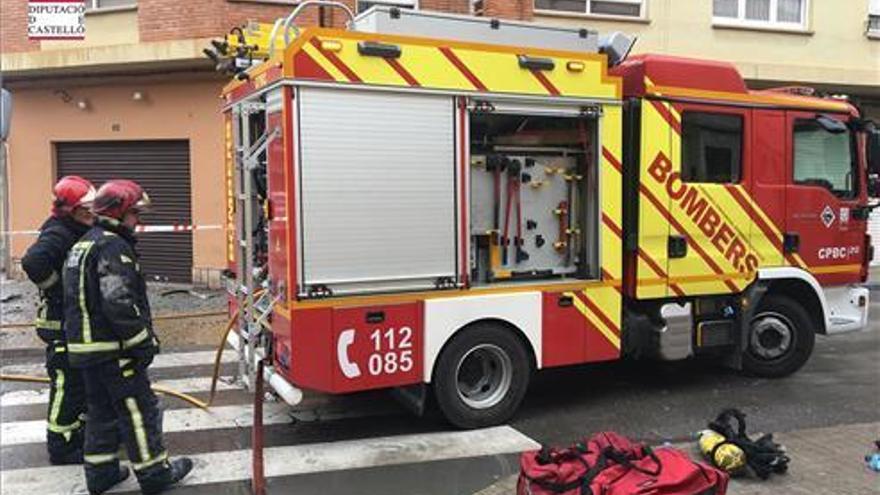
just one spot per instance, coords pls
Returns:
(445, 204)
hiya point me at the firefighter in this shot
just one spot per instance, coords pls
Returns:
(110, 337)
(43, 263)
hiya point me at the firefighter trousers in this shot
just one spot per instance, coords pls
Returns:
(67, 407)
(122, 409)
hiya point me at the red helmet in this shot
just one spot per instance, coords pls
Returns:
(71, 192)
(116, 197)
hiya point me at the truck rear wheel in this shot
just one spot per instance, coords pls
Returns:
(481, 376)
(781, 338)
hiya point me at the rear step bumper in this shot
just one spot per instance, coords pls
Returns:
(847, 308)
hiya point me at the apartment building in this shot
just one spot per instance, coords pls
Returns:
(136, 98)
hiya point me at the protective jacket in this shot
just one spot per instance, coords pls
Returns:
(107, 314)
(43, 263)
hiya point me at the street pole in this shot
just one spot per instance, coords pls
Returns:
(5, 245)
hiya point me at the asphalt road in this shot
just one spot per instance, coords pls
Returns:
(654, 402)
(840, 384)
(368, 444)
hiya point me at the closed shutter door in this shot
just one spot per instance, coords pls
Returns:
(874, 230)
(162, 168)
(359, 230)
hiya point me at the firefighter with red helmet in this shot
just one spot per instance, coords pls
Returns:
(110, 337)
(43, 263)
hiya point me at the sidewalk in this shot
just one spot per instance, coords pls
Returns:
(823, 461)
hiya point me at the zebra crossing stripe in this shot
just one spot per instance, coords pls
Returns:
(231, 466)
(40, 396)
(162, 361)
(237, 416)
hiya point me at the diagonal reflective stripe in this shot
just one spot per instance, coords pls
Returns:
(62, 429)
(100, 458)
(137, 422)
(608, 334)
(137, 339)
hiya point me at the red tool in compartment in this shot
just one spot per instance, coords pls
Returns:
(514, 183)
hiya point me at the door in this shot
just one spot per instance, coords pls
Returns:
(691, 225)
(657, 127)
(162, 168)
(766, 179)
(824, 232)
(378, 202)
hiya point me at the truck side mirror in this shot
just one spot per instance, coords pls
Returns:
(873, 151)
(5, 113)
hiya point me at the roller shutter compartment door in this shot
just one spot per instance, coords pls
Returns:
(377, 200)
(162, 168)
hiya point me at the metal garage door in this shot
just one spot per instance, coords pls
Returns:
(163, 169)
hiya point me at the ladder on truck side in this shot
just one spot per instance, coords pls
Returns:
(254, 300)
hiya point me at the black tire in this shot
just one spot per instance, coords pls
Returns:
(482, 342)
(774, 313)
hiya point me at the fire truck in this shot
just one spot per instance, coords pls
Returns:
(442, 205)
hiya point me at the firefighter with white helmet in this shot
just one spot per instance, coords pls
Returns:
(110, 337)
(43, 262)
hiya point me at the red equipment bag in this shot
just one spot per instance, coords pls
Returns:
(610, 464)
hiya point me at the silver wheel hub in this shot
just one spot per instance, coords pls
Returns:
(772, 335)
(483, 376)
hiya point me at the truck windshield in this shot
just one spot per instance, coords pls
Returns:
(824, 159)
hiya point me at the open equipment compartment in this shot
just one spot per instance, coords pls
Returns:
(534, 192)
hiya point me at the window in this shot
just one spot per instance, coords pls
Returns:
(874, 19)
(824, 158)
(785, 14)
(363, 5)
(711, 147)
(109, 4)
(619, 8)
(477, 7)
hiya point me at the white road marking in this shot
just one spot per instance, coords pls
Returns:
(191, 419)
(162, 361)
(185, 385)
(224, 467)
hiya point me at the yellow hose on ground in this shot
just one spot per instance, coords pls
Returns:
(218, 356)
(156, 388)
(174, 316)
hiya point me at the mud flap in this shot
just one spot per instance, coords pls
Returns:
(750, 299)
(413, 397)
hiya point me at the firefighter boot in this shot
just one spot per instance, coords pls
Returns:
(158, 478)
(100, 479)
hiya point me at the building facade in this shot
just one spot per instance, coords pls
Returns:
(137, 98)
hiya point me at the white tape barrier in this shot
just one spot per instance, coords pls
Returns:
(177, 227)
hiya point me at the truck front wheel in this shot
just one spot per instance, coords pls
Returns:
(481, 376)
(781, 338)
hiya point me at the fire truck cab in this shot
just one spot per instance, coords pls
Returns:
(444, 204)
